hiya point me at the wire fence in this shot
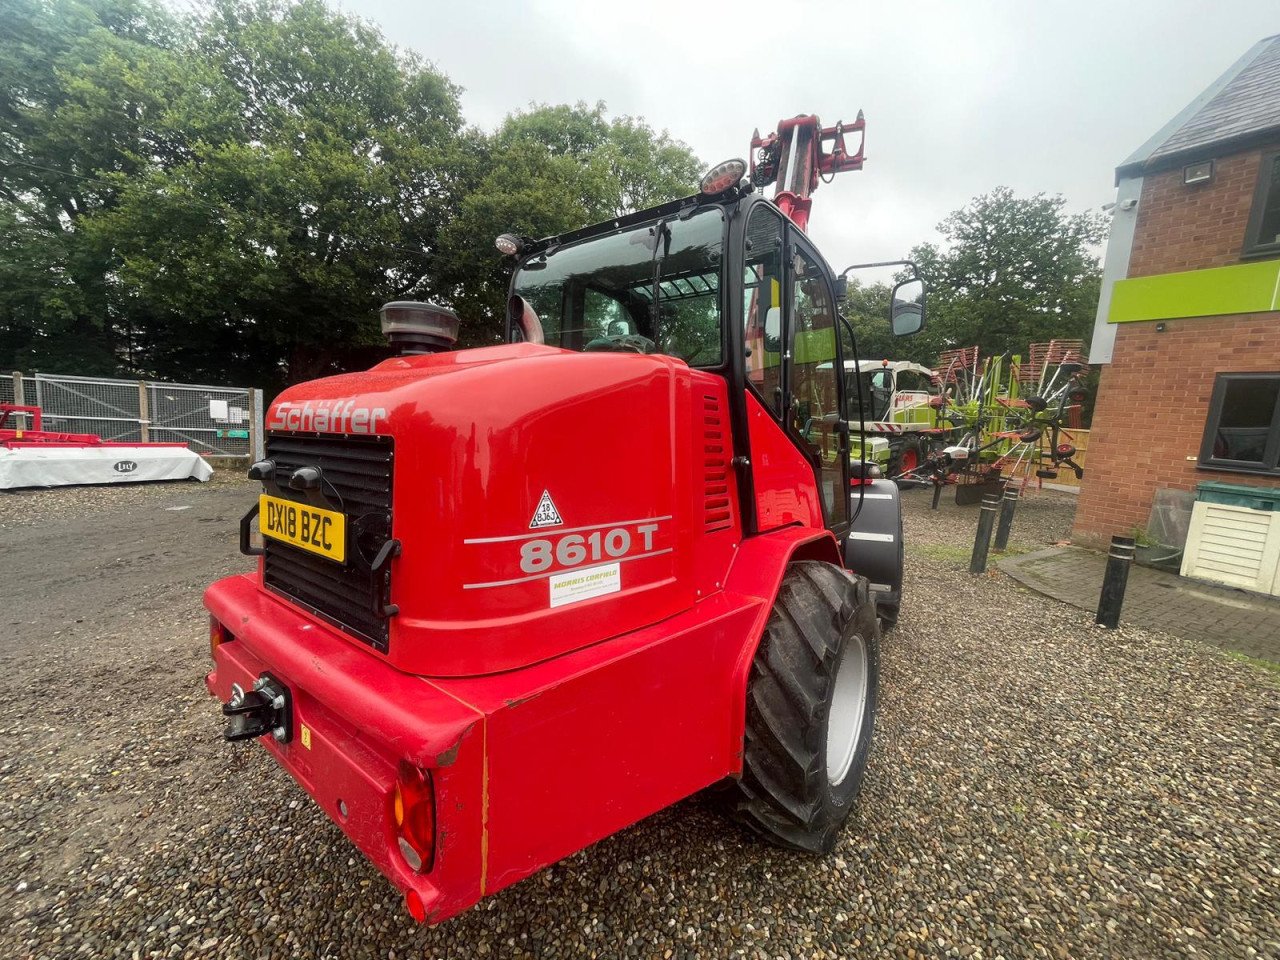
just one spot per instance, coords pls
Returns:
(215, 422)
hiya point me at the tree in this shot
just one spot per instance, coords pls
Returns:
(273, 246)
(87, 93)
(1014, 271)
(546, 171)
(232, 194)
(866, 307)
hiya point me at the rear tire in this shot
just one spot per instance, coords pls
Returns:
(811, 703)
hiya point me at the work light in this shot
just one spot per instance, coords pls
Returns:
(723, 176)
(508, 244)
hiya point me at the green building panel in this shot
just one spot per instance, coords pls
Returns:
(1244, 288)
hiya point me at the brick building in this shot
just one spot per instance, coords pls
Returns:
(1188, 326)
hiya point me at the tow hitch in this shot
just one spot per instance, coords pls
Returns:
(267, 708)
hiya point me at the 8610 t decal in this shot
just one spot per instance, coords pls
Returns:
(598, 548)
(572, 549)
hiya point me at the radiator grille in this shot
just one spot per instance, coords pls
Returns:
(347, 595)
(717, 512)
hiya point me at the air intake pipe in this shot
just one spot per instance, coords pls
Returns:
(416, 327)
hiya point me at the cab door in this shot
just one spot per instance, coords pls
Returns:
(811, 377)
(791, 354)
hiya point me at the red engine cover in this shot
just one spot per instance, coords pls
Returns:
(545, 500)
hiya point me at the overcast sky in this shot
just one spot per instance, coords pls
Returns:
(959, 97)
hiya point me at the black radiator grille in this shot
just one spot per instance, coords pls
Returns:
(350, 595)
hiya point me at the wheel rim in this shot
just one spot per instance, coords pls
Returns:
(848, 703)
(910, 460)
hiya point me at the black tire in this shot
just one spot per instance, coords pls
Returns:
(907, 451)
(785, 792)
(890, 603)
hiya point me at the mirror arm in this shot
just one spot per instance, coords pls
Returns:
(915, 270)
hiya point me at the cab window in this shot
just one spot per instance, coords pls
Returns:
(653, 288)
(762, 305)
(814, 403)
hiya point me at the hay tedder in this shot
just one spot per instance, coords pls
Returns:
(512, 599)
(999, 419)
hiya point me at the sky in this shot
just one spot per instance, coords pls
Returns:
(1041, 96)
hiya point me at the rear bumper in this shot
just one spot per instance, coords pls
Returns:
(354, 719)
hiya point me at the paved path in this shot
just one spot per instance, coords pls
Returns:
(1247, 623)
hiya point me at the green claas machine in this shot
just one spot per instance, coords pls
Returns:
(902, 425)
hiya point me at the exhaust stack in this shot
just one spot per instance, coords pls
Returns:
(415, 327)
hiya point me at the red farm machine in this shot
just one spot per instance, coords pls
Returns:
(510, 600)
(31, 456)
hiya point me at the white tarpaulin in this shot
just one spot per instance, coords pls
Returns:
(40, 466)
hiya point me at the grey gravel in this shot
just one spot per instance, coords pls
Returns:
(1038, 787)
(35, 505)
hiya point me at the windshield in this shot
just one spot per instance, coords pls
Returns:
(877, 390)
(648, 289)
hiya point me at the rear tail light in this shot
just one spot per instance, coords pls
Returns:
(218, 635)
(413, 809)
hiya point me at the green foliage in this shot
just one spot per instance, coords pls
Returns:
(86, 93)
(1014, 271)
(281, 239)
(231, 194)
(866, 307)
(546, 171)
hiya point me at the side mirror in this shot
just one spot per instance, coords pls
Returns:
(906, 310)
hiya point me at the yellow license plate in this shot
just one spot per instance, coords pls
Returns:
(314, 529)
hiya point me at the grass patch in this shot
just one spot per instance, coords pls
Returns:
(1267, 666)
(941, 551)
(953, 554)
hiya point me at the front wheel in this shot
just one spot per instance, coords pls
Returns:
(811, 704)
(905, 459)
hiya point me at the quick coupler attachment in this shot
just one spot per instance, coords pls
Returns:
(266, 709)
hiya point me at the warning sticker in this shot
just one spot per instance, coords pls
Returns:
(578, 585)
(546, 515)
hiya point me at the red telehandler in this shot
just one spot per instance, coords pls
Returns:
(512, 599)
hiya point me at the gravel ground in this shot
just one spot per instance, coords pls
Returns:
(24, 508)
(1038, 787)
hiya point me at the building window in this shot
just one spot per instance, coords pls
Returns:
(1263, 236)
(1243, 432)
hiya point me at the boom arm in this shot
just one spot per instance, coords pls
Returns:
(797, 157)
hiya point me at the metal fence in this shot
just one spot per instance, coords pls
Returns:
(215, 422)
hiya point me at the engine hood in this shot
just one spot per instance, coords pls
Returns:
(540, 496)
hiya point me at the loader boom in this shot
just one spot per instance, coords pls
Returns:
(801, 154)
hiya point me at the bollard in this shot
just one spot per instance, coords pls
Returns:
(937, 493)
(1114, 581)
(982, 542)
(1007, 506)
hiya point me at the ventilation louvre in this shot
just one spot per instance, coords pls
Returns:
(717, 511)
